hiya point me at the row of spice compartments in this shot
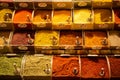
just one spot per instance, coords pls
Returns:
(81, 19)
(59, 4)
(19, 41)
(59, 67)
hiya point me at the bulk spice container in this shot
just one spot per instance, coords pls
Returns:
(42, 4)
(62, 19)
(22, 41)
(4, 41)
(82, 19)
(37, 67)
(23, 4)
(42, 19)
(6, 17)
(6, 4)
(22, 19)
(45, 39)
(10, 67)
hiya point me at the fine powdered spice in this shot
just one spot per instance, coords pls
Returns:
(95, 38)
(65, 68)
(102, 15)
(6, 15)
(115, 67)
(70, 37)
(22, 16)
(22, 38)
(38, 66)
(82, 15)
(46, 38)
(4, 37)
(91, 68)
(114, 38)
(117, 15)
(7, 65)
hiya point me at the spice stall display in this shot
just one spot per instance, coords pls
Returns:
(37, 67)
(4, 41)
(66, 68)
(62, 19)
(94, 68)
(22, 41)
(6, 4)
(42, 19)
(10, 67)
(22, 20)
(82, 19)
(6, 19)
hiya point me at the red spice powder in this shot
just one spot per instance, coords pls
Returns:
(63, 68)
(91, 67)
(69, 37)
(21, 16)
(117, 15)
(115, 67)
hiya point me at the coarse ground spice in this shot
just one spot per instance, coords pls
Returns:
(102, 15)
(117, 15)
(41, 16)
(21, 16)
(115, 67)
(4, 34)
(91, 68)
(61, 16)
(45, 38)
(63, 68)
(82, 15)
(21, 38)
(69, 37)
(114, 38)
(37, 66)
(3, 13)
(94, 38)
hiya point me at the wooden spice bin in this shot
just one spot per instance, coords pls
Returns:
(42, 4)
(42, 19)
(103, 19)
(61, 19)
(62, 4)
(6, 21)
(22, 41)
(82, 19)
(82, 4)
(22, 19)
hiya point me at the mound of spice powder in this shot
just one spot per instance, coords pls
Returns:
(3, 13)
(22, 16)
(95, 38)
(65, 68)
(115, 67)
(102, 15)
(94, 68)
(70, 37)
(38, 66)
(22, 38)
(117, 15)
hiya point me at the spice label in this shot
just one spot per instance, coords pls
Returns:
(22, 25)
(22, 48)
(3, 25)
(61, 5)
(23, 4)
(41, 25)
(4, 4)
(82, 3)
(42, 4)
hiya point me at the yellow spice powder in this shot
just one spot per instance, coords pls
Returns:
(3, 13)
(62, 16)
(82, 15)
(44, 38)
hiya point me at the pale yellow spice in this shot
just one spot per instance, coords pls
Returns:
(44, 38)
(3, 12)
(6, 35)
(82, 15)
